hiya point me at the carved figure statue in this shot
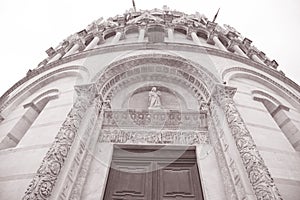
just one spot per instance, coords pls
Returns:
(154, 99)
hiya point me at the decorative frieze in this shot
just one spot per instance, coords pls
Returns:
(259, 176)
(153, 136)
(45, 179)
(162, 119)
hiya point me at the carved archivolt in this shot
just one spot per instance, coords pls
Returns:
(176, 66)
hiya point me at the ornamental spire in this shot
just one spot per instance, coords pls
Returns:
(133, 4)
(216, 15)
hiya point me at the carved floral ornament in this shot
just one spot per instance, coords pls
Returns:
(258, 173)
(44, 181)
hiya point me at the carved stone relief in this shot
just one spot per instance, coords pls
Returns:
(232, 181)
(258, 173)
(161, 119)
(46, 177)
(153, 137)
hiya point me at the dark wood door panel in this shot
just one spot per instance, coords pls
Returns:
(129, 181)
(179, 181)
(144, 174)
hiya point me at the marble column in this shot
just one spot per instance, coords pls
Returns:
(93, 43)
(218, 43)
(170, 34)
(55, 58)
(233, 47)
(258, 174)
(141, 34)
(58, 55)
(78, 45)
(116, 38)
(257, 59)
(195, 38)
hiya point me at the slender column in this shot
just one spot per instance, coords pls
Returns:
(56, 57)
(259, 176)
(78, 45)
(46, 177)
(141, 34)
(233, 47)
(60, 53)
(257, 59)
(239, 51)
(170, 34)
(218, 43)
(195, 38)
(93, 43)
(252, 53)
(116, 38)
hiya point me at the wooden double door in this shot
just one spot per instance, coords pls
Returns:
(152, 173)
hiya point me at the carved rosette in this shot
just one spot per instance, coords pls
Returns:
(258, 174)
(44, 181)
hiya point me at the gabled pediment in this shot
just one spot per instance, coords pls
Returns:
(145, 17)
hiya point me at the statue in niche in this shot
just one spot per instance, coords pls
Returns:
(154, 99)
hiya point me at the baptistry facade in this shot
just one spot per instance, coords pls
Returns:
(151, 105)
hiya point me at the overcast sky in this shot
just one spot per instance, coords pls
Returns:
(29, 27)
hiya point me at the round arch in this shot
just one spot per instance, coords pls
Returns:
(264, 80)
(156, 67)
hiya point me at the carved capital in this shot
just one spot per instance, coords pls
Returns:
(210, 39)
(190, 31)
(87, 90)
(223, 92)
(80, 43)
